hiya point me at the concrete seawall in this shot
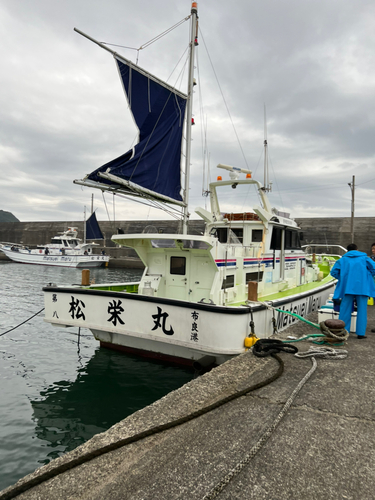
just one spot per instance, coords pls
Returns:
(325, 230)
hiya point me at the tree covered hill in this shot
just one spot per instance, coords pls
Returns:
(7, 217)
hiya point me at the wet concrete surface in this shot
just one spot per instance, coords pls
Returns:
(323, 447)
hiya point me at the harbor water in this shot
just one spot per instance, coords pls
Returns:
(59, 389)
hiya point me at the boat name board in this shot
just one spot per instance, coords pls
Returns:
(116, 313)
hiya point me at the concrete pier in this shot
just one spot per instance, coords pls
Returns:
(324, 446)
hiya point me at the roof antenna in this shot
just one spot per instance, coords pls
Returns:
(267, 185)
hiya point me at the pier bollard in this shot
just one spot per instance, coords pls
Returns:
(85, 277)
(252, 291)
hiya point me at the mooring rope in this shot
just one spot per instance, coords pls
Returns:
(254, 450)
(331, 333)
(323, 352)
(23, 322)
(17, 489)
(313, 352)
(328, 333)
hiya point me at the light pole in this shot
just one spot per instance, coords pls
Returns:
(352, 188)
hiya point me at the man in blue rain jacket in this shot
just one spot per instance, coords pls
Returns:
(354, 272)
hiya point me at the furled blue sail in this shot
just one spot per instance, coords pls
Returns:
(158, 111)
(93, 231)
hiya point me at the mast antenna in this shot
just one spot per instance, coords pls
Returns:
(266, 185)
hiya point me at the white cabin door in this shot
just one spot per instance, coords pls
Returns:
(201, 277)
(177, 282)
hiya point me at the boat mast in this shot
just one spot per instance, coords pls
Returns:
(193, 44)
(84, 224)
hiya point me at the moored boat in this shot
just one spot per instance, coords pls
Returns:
(200, 296)
(65, 250)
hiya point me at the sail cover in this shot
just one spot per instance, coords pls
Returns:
(158, 111)
(93, 231)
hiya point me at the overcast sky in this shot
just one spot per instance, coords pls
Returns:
(311, 63)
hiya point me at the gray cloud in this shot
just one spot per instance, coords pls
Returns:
(63, 112)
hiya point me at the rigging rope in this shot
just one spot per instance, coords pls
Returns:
(225, 102)
(155, 39)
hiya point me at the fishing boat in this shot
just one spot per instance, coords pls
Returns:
(201, 297)
(65, 249)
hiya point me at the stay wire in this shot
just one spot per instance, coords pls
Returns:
(156, 38)
(225, 102)
(23, 322)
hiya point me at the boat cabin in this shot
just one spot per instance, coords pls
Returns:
(237, 248)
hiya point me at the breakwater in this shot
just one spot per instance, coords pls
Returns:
(324, 230)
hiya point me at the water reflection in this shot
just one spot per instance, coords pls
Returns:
(109, 388)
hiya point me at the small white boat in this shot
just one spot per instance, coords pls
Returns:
(65, 250)
(200, 296)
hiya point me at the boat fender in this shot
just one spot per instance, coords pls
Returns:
(250, 341)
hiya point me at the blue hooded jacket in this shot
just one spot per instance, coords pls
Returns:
(354, 272)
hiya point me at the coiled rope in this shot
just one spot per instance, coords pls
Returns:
(331, 330)
(267, 347)
(17, 489)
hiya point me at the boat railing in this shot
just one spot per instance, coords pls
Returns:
(131, 287)
(311, 248)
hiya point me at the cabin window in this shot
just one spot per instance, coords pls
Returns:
(65, 243)
(178, 265)
(235, 235)
(254, 276)
(163, 244)
(292, 240)
(199, 245)
(256, 235)
(56, 241)
(228, 282)
(222, 234)
(276, 238)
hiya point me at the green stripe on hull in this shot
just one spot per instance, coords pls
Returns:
(299, 289)
(292, 291)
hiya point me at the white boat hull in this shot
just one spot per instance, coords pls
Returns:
(173, 329)
(84, 261)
